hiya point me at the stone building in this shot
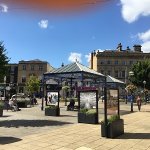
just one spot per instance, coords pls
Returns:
(8, 87)
(12, 73)
(117, 63)
(32, 67)
(19, 74)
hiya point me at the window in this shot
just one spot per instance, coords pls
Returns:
(108, 72)
(131, 62)
(23, 79)
(102, 71)
(116, 62)
(12, 69)
(123, 62)
(32, 67)
(102, 62)
(108, 62)
(40, 67)
(123, 74)
(116, 73)
(24, 67)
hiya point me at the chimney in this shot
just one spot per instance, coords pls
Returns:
(128, 49)
(62, 65)
(119, 48)
(137, 48)
(92, 60)
(94, 53)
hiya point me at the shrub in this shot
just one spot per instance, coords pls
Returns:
(91, 112)
(83, 110)
(88, 111)
(113, 118)
(51, 107)
(1, 105)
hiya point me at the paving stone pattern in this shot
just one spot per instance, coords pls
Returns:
(30, 129)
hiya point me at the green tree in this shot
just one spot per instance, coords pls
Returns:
(131, 88)
(33, 85)
(141, 72)
(3, 62)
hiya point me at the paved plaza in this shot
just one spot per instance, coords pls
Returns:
(30, 129)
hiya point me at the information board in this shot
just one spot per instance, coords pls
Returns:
(53, 97)
(88, 99)
(112, 102)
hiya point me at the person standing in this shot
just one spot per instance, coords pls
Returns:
(139, 102)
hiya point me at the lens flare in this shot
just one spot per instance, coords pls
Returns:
(53, 5)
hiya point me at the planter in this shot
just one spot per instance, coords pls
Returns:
(92, 118)
(114, 129)
(87, 118)
(1, 112)
(52, 111)
(81, 117)
(22, 104)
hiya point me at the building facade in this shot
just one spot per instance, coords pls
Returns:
(8, 87)
(27, 68)
(12, 73)
(19, 74)
(117, 63)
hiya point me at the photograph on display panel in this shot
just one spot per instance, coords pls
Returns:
(87, 100)
(52, 97)
(112, 101)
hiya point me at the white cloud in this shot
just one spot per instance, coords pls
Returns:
(75, 57)
(43, 24)
(100, 50)
(88, 57)
(145, 36)
(146, 47)
(133, 9)
(3, 8)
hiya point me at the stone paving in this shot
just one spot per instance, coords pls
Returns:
(29, 129)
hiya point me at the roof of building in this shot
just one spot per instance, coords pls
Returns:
(34, 60)
(75, 67)
(111, 79)
(74, 71)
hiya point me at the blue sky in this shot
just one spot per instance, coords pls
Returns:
(56, 38)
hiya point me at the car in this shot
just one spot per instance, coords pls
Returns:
(148, 98)
(20, 97)
(102, 97)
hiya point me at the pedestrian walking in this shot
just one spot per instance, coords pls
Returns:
(139, 102)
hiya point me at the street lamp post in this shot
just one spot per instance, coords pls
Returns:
(144, 83)
(4, 87)
(131, 73)
(126, 98)
(11, 89)
(42, 90)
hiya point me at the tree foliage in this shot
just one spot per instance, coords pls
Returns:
(141, 72)
(3, 62)
(131, 88)
(33, 84)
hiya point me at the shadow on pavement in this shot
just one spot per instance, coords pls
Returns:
(31, 123)
(135, 136)
(4, 116)
(124, 112)
(7, 140)
(68, 116)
